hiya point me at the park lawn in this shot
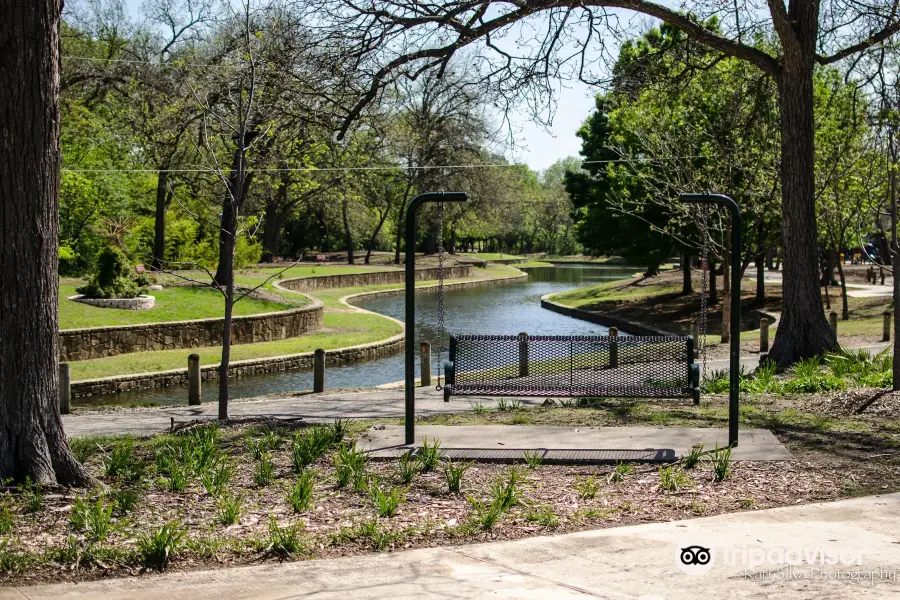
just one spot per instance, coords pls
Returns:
(341, 330)
(172, 304)
(495, 256)
(615, 291)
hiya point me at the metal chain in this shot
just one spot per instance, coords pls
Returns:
(704, 286)
(442, 330)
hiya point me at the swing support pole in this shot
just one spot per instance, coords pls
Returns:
(734, 370)
(410, 312)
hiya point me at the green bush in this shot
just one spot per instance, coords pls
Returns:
(113, 279)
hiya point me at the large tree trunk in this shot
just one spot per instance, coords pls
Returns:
(803, 330)
(371, 245)
(274, 225)
(32, 441)
(238, 188)
(348, 233)
(159, 225)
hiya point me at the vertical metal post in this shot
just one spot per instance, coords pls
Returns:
(194, 380)
(523, 354)
(319, 371)
(425, 364)
(65, 389)
(734, 393)
(410, 309)
(614, 347)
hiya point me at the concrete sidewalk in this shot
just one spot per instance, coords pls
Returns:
(628, 562)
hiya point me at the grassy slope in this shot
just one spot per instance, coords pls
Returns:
(172, 304)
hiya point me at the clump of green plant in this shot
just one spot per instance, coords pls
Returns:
(860, 368)
(809, 376)
(97, 519)
(340, 430)
(485, 514)
(123, 462)
(505, 489)
(386, 502)
(285, 540)
(721, 462)
(124, 499)
(453, 474)
(543, 515)
(692, 458)
(672, 479)
(378, 537)
(12, 561)
(228, 509)
(178, 478)
(33, 493)
(430, 455)
(587, 487)
(7, 515)
(350, 466)
(533, 459)
(309, 446)
(160, 545)
(113, 278)
(406, 467)
(301, 493)
(264, 471)
(216, 477)
(618, 474)
(763, 381)
(504, 405)
(478, 408)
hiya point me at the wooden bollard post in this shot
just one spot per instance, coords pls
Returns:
(65, 389)
(832, 317)
(425, 363)
(319, 371)
(882, 277)
(886, 334)
(194, 380)
(695, 333)
(523, 354)
(763, 335)
(613, 347)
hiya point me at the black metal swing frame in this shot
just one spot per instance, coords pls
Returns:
(571, 366)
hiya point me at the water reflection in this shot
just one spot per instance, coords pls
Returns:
(496, 309)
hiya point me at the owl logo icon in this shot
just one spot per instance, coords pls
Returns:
(694, 559)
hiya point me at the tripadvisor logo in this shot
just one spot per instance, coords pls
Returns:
(694, 559)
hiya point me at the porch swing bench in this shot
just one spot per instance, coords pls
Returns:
(572, 366)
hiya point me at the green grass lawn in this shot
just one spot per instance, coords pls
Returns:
(341, 330)
(494, 256)
(172, 304)
(611, 291)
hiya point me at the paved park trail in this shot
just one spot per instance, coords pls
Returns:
(862, 535)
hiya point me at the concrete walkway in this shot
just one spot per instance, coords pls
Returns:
(641, 561)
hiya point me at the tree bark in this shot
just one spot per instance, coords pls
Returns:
(687, 286)
(845, 308)
(348, 234)
(159, 225)
(803, 330)
(32, 441)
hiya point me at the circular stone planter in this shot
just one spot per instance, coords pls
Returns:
(138, 303)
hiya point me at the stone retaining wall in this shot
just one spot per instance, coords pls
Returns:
(100, 342)
(308, 284)
(136, 303)
(626, 327)
(256, 366)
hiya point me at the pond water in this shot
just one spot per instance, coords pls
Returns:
(496, 309)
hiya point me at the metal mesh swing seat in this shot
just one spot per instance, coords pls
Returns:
(572, 366)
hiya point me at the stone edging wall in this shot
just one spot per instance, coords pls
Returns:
(137, 303)
(308, 284)
(365, 352)
(99, 342)
(627, 327)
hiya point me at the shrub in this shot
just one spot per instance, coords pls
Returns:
(387, 503)
(97, 518)
(430, 455)
(809, 376)
(587, 487)
(406, 467)
(123, 462)
(113, 278)
(350, 465)
(309, 446)
(300, 494)
(453, 473)
(159, 546)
